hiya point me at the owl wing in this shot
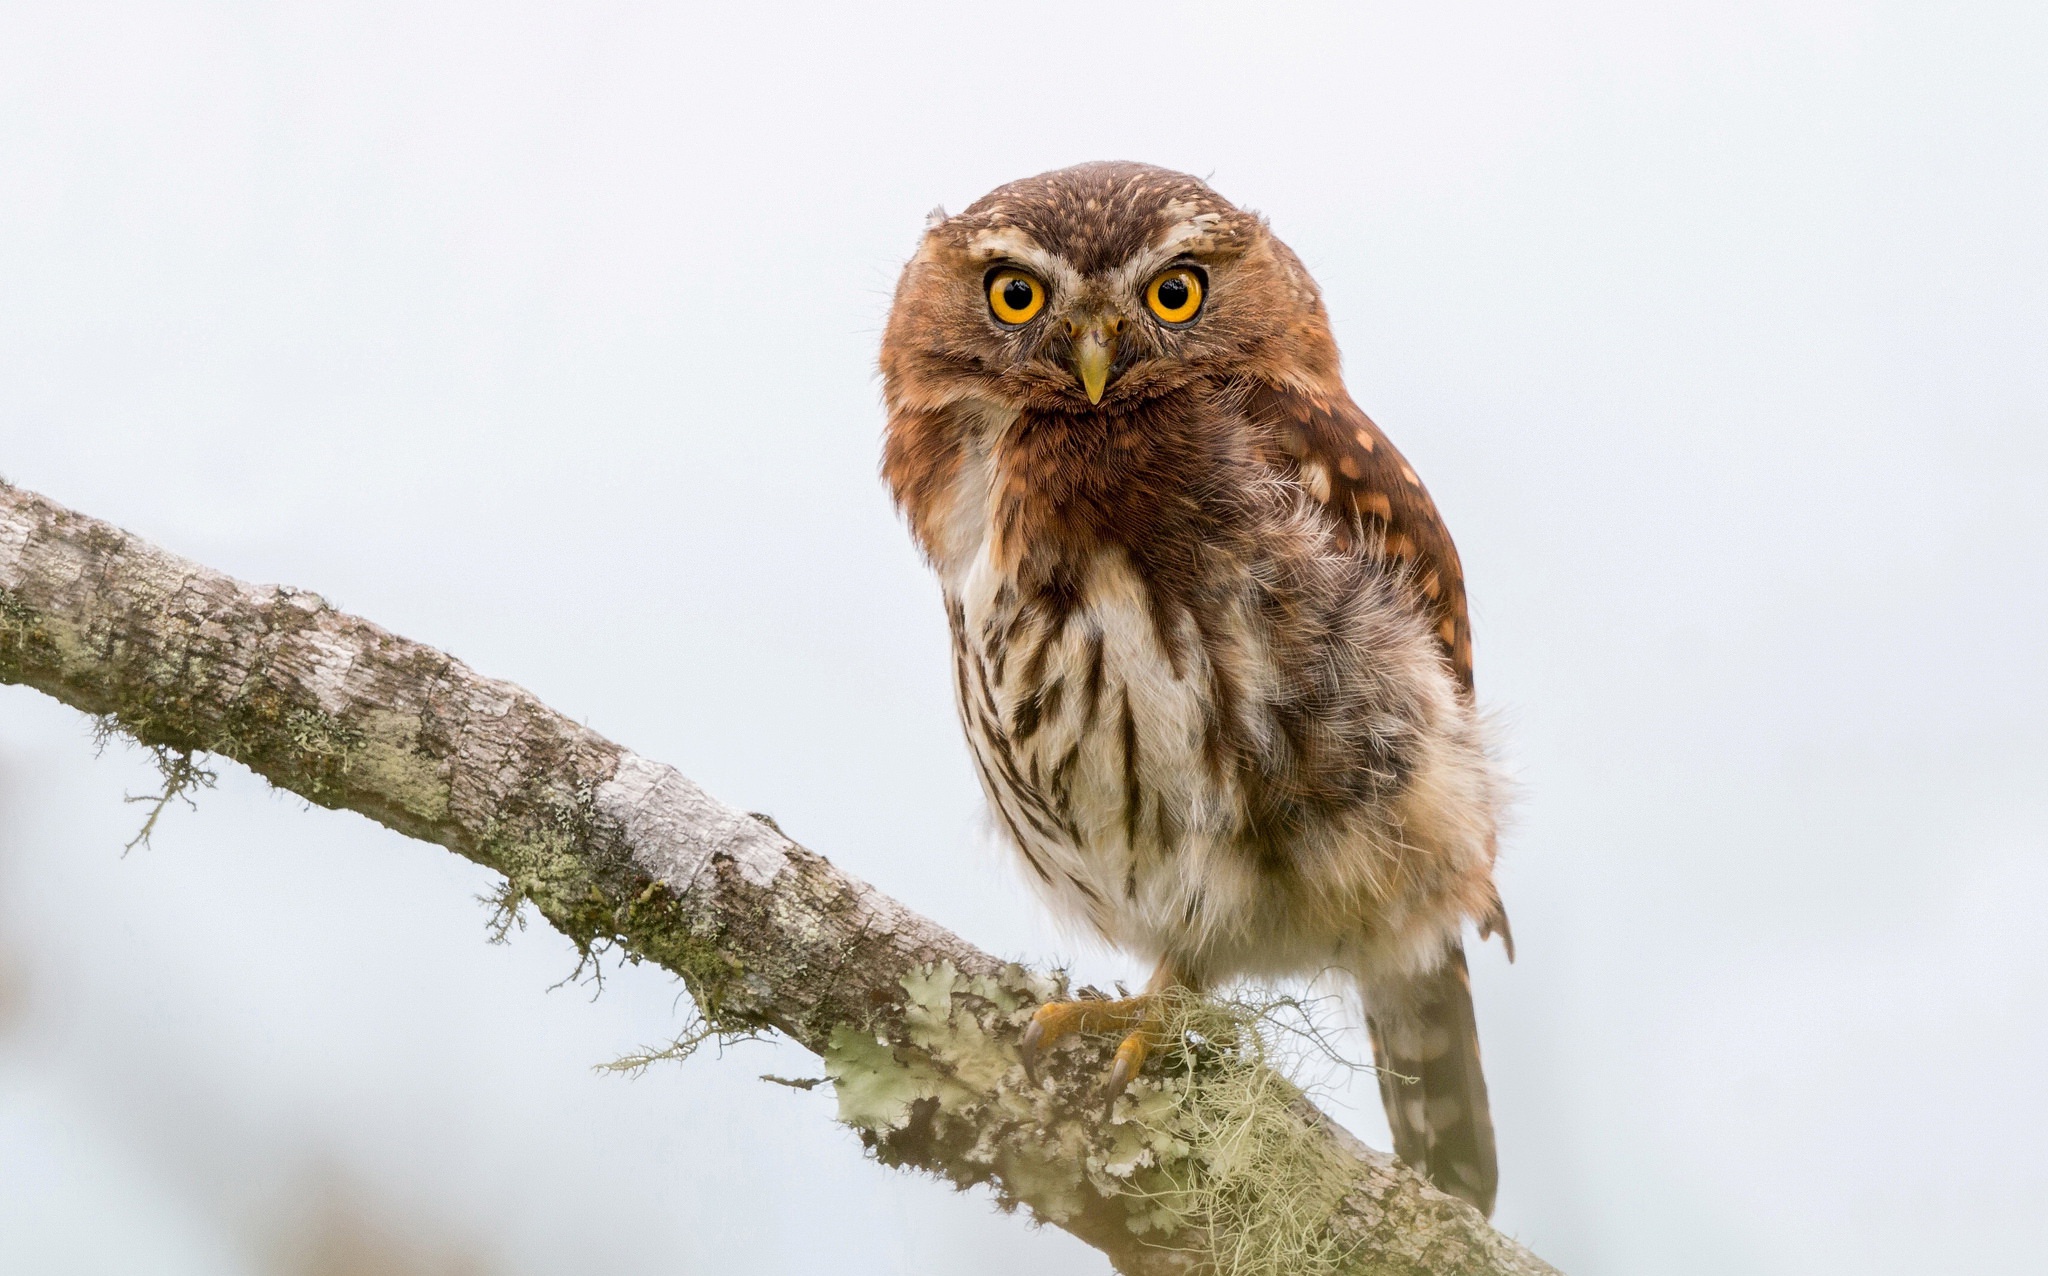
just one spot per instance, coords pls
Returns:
(1379, 505)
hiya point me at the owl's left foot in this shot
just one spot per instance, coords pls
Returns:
(1137, 1017)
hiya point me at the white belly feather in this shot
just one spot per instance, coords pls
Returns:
(1121, 821)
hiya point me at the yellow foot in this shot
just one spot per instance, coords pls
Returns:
(1054, 1021)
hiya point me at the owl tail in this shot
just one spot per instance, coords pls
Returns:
(1426, 1046)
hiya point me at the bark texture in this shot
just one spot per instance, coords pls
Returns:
(917, 1027)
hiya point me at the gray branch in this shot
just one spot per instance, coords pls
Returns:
(916, 1026)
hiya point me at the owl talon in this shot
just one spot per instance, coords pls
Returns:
(1027, 1049)
(1130, 1057)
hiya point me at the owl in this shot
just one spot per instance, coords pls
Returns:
(1209, 633)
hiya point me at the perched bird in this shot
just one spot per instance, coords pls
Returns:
(1209, 633)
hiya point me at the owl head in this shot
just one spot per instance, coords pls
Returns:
(1096, 288)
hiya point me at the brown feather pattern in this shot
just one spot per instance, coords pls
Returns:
(1373, 493)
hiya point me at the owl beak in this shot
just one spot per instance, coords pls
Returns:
(1094, 351)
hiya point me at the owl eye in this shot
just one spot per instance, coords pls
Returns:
(1014, 297)
(1176, 295)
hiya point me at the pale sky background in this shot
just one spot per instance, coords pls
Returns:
(545, 333)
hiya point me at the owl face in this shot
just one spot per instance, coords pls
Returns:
(1095, 287)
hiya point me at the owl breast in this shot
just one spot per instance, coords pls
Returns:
(1088, 742)
(1193, 781)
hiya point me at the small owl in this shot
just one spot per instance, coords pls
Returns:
(1209, 633)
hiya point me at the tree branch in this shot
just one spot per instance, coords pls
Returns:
(917, 1027)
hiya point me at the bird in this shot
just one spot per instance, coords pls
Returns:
(1210, 643)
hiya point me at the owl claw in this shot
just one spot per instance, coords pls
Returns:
(1027, 1049)
(1130, 1056)
(1056, 1020)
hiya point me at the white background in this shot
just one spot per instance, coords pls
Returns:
(544, 333)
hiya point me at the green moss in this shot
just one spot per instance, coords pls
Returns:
(388, 760)
(541, 841)
(26, 635)
(535, 845)
(1216, 1155)
(1259, 1183)
(875, 1087)
(953, 1079)
(265, 730)
(321, 738)
(16, 616)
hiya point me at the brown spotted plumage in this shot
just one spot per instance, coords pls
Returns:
(1210, 638)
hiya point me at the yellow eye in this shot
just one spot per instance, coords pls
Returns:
(1013, 296)
(1175, 296)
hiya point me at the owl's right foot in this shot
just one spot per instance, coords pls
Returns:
(1137, 1017)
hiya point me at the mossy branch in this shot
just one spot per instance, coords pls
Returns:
(1201, 1171)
